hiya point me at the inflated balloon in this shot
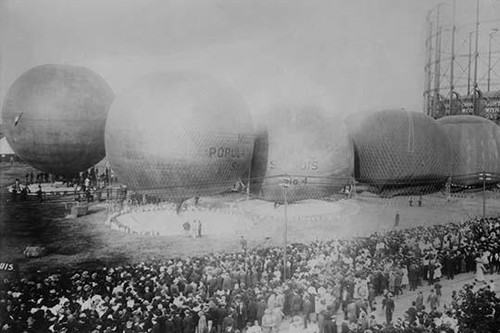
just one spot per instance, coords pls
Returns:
(476, 148)
(398, 149)
(178, 135)
(54, 118)
(302, 150)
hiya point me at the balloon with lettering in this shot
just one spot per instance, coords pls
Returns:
(178, 135)
(302, 150)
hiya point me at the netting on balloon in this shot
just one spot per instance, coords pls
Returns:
(299, 187)
(382, 168)
(398, 152)
(278, 189)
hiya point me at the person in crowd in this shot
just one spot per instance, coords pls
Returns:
(187, 227)
(363, 322)
(255, 328)
(389, 308)
(433, 300)
(438, 287)
(491, 285)
(480, 270)
(297, 325)
(39, 194)
(405, 281)
(412, 312)
(241, 313)
(210, 328)
(193, 228)
(243, 244)
(329, 324)
(267, 322)
(24, 193)
(312, 326)
(372, 323)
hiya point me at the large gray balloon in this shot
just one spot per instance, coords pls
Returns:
(301, 148)
(54, 117)
(178, 135)
(476, 148)
(397, 148)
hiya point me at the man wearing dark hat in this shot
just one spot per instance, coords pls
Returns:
(177, 322)
(241, 313)
(188, 325)
(329, 325)
(252, 309)
(261, 308)
(210, 327)
(412, 312)
(389, 308)
(228, 321)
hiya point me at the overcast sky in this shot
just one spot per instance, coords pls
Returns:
(352, 55)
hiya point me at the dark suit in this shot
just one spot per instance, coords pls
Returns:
(252, 311)
(241, 315)
(212, 329)
(227, 322)
(188, 325)
(330, 326)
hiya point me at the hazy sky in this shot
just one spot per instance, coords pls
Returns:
(353, 55)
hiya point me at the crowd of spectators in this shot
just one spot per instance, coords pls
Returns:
(92, 174)
(252, 291)
(84, 184)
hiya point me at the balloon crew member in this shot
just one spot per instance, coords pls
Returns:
(39, 194)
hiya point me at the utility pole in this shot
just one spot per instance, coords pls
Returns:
(452, 87)
(285, 229)
(489, 56)
(428, 68)
(484, 177)
(249, 180)
(476, 56)
(437, 63)
(470, 63)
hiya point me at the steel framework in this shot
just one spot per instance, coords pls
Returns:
(462, 68)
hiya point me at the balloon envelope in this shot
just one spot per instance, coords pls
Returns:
(178, 135)
(476, 148)
(54, 118)
(401, 149)
(300, 149)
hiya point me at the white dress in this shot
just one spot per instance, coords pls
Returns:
(437, 271)
(404, 279)
(480, 271)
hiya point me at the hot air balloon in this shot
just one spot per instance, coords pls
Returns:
(476, 148)
(301, 149)
(177, 135)
(401, 152)
(54, 118)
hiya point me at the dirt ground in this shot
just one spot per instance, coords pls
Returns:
(85, 242)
